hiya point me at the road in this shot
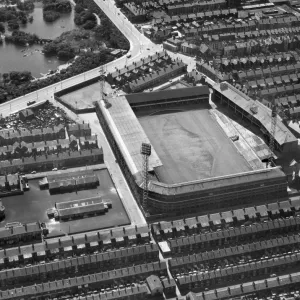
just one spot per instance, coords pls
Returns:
(140, 46)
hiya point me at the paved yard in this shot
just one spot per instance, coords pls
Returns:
(32, 207)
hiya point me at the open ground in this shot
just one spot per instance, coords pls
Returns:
(191, 145)
(32, 207)
(85, 96)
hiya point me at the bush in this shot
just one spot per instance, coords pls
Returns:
(2, 28)
(50, 16)
(61, 49)
(53, 8)
(62, 6)
(83, 17)
(89, 25)
(22, 38)
(13, 25)
(25, 5)
(79, 8)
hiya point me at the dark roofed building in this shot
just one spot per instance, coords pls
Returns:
(165, 96)
(79, 130)
(26, 115)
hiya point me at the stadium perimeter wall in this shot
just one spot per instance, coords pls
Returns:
(58, 95)
(171, 200)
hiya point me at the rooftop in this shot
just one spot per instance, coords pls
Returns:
(129, 134)
(166, 95)
(263, 115)
(216, 182)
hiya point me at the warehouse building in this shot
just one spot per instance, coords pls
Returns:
(81, 208)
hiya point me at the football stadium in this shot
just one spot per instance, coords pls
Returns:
(194, 166)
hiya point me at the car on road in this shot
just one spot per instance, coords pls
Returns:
(128, 55)
(118, 14)
(30, 102)
(235, 138)
(148, 48)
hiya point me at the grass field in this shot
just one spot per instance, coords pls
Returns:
(191, 145)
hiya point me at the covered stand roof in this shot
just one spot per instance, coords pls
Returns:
(263, 115)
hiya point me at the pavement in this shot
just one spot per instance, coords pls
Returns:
(66, 171)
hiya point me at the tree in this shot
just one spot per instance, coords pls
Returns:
(5, 76)
(13, 25)
(89, 25)
(101, 33)
(2, 28)
(49, 48)
(79, 8)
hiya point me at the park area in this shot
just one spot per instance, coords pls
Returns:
(191, 145)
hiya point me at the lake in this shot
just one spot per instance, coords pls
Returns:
(11, 57)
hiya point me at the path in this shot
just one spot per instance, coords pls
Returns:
(97, 19)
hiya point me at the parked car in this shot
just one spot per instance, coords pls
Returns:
(33, 172)
(54, 169)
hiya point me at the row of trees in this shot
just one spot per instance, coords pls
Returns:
(20, 84)
(16, 78)
(22, 38)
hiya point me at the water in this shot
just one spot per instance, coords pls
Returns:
(11, 57)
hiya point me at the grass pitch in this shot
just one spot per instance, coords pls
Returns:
(191, 145)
